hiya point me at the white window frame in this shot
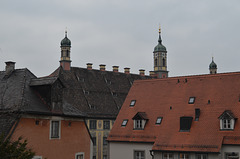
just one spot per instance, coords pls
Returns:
(201, 155)
(184, 155)
(79, 153)
(168, 155)
(135, 152)
(139, 124)
(59, 130)
(227, 124)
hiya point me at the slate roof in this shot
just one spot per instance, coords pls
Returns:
(168, 98)
(18, 97)
(100, 94)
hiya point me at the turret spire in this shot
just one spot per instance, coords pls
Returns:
(160, 39)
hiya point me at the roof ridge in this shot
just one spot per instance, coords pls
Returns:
(191, 76)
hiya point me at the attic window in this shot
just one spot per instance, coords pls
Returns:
(132, 103)
(108, 81)
(158, 121)
(227, 120)
(124, 123)
(185, 123)
(140, 120)
(191, 100)
(114, 94)
(86, 92)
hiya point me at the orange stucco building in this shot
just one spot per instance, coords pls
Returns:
(73, 139)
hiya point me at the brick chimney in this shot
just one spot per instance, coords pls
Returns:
(89, 66)
(115, 68)
(102, 67)
(127, 70)
(10, 67)
(142, 72)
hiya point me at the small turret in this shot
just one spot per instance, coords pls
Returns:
(160, 59)
(65, 61)
(213, 67)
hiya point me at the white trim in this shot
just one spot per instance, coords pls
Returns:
(50, 130)
(79, 153)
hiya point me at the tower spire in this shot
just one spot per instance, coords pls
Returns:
(160, 58)
(159, 39)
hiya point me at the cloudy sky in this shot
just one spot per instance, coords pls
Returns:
(122, 33)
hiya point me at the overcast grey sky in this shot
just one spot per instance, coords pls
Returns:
(121, 32)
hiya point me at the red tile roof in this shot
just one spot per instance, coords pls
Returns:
(168, 98)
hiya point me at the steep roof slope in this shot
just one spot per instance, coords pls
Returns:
(98, 93)
(169, 98)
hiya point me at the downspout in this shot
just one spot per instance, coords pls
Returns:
(152, 154)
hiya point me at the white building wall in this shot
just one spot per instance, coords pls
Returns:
(159, 155)
(229, 149)
(125, 150)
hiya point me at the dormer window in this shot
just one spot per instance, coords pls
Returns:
(140, 120)
(132, 103)
(185, 123)
(227, 120)
(191, 100)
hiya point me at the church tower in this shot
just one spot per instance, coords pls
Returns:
(213, 67)
(65, 61)
(160, 59)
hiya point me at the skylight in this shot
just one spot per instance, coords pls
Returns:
(191, 100)
(132, 103)
(124, 123)
(159, 120)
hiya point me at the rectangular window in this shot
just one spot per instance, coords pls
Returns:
(167, 155)
(139, 155)
(226, 123)
(93, 124)
(132, 103)
(106, 125)
(184, 156)
(94, 157)
(55, 129)
(201, 156)
(105, 141)
(231, 155)
(94, 141)
(104, 156)
(159, 120)
(124, 123)
(191, 100)
(138, 124)
(79, 155)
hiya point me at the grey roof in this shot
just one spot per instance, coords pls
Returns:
(100, 94)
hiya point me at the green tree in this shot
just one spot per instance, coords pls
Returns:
(14, 149)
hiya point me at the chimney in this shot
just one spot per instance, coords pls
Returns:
(152, 74)
(10, 67)
(102, 67)
(142, 72)
(127, 70)
(89, 66)
(115, 68)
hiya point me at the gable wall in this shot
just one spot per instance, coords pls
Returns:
(73, 139)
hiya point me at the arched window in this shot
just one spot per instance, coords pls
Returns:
(164, 62)
(67, 53)
(155, 62)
